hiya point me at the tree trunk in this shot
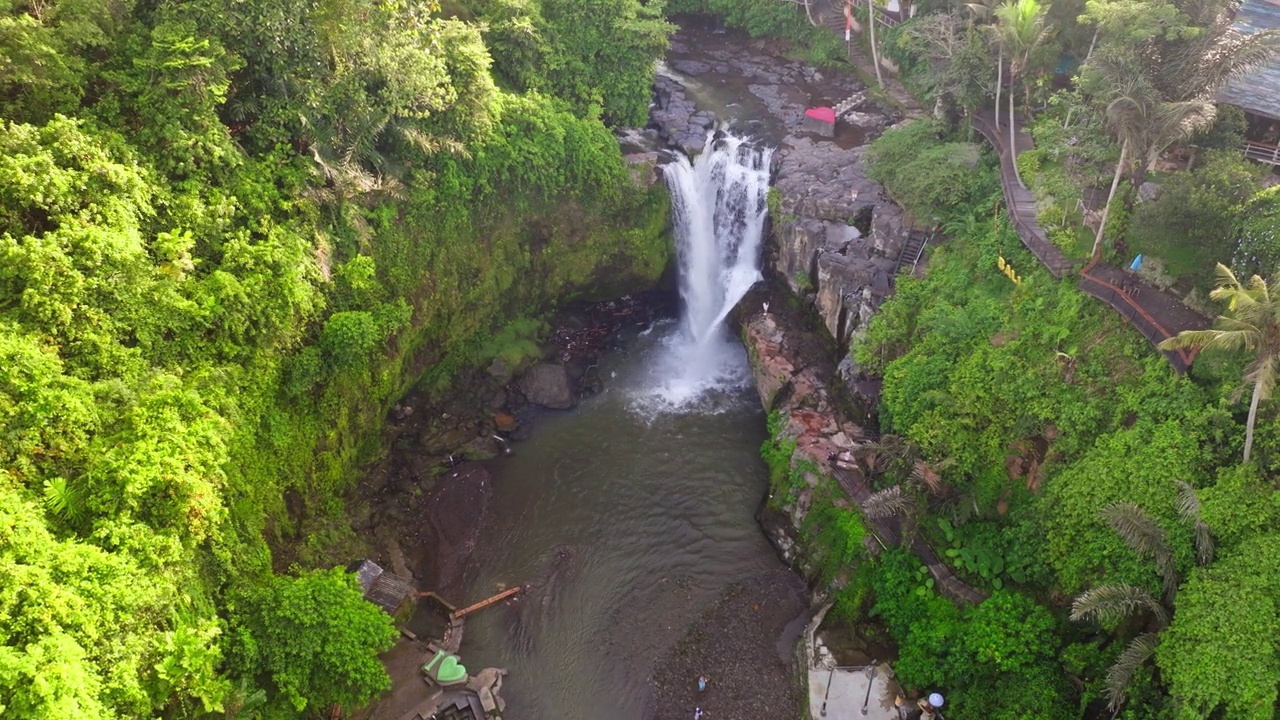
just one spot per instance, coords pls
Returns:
(999, 82)
(1253, 416)
(1092, 43)
(1013, 129)
(1106, 209)
(875, 54)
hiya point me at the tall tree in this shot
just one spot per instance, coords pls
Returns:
(1023, 27)
(1251, 323)
(1145, 125)
(875, 51)
(984, 11)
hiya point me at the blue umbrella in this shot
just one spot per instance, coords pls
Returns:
(1137, 263)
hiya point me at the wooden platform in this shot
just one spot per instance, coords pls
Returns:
(1155, 313)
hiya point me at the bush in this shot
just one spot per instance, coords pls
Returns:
(1257, 234)
(928, 176)
(315, 637)
(1189, 224)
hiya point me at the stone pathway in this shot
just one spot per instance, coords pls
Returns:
(832, 18)
(844, 693)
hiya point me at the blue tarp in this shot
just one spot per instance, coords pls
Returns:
(1137, 263)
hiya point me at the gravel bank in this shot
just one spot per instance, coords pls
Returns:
(736, 645)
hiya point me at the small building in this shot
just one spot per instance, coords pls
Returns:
(1258, 92)
(384, 589)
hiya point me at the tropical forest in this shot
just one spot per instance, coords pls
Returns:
(746, 355)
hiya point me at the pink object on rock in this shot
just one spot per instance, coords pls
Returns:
(825, 114)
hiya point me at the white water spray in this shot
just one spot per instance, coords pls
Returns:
(719, 204)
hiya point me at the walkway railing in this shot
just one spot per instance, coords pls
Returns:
(1100, 282)
(1262, 152)
(1020, 201)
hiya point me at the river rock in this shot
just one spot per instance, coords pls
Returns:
(693, 68)
(547, 384)
(505, 422)
(1148, 191)
(643, 167)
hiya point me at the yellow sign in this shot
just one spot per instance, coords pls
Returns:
(1007, 270)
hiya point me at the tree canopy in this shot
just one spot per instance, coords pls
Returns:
(232, 234)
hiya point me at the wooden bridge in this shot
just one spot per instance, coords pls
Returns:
(1156, 314)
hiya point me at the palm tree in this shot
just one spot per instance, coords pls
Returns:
(1199, 66)
(1110, 604)
(983, 11)
(875, 53)
(1022, 27)
(1145, 124)
(1251, 323)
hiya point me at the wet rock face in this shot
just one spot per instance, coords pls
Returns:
(825, 196)
(679, 121)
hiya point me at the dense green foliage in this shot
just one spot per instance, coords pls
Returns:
(1044, 409)
(926, 176)
(231, 236)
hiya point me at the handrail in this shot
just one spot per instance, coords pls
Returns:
(1262, 152)
(1028, 231)
(1187, 356)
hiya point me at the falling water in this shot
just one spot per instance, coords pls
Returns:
(719, 204)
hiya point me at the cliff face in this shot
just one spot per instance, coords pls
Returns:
(836, 235)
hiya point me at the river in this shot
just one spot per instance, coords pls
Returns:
(629, 515)
(632, 514)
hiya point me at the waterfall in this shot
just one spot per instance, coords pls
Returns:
(718, 203)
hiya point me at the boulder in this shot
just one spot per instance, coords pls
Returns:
(547, 384)
(1148, 191)
(643, 167)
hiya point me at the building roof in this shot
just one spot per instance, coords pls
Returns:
(384, 589)
(1258, 91)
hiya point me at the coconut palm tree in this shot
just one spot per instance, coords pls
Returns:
(1145, 124)
(984, 11)
(1198, 65)
(1251, 323)
(875, 52)
(1023, 26)
(1110, 604)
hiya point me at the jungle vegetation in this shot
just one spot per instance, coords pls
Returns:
(232, 234)
(1121, 517)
